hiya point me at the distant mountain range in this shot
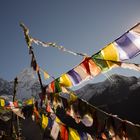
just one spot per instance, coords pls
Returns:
(5, 87)
(118, 95)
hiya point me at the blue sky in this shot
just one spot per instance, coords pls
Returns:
(79, 25)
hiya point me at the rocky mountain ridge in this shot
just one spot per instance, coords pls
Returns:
(117, 95)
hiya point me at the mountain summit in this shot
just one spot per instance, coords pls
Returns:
(27, 87)
(28, 74)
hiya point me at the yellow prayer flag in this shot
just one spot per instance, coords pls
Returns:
(44, 121)
(29, 101)
(110, 52)
(46, 75)
(65, 81)
(73, 97)
(57, 120)
(73, 134)
(2, 102)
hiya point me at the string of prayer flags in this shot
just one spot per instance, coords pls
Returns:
(86, 70)
(50, 44)
(31, 40)
(94, 123)
(26, 34)
(125, 47)
(16, 104)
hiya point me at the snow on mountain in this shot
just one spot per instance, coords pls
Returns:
(117, 95)
(6, 89)
(111, 88)
(28, 84)
(27, 87)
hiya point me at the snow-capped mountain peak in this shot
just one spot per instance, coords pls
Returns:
(26, 75)
(27, 86)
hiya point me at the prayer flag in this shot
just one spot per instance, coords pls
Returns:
(44, 121)
(125, 47)
(2, 102)
(46, 75)
(55, 130)
(73, 134)
(65, 80)
(63, 133)
(29, 101)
